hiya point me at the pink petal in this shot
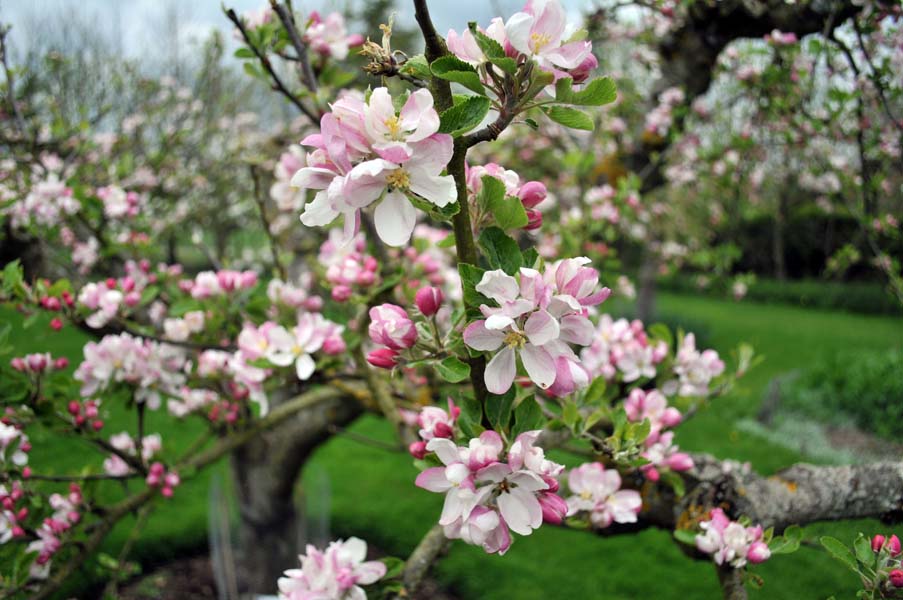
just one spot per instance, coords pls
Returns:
(500, 371)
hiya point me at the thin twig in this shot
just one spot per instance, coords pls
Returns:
(261, 208)
(305, 71)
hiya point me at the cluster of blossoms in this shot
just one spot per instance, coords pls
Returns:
(283, 347)
(86, 413)
(531, 193)
(158, 476)
(433, 422)
(366, 152)
(695, 369)
(348, 266)
(107, 298)
(117, 203)
(46, 203)
(596, 491)
(660, 118)
(208, 284)
(11, 514)
(329, 37)
(152, 368)
(38, 363)
(179, 329)
(730, 542)
(334, 574)
(485, 497)
(65, 515)
(14, 445)
(539, 32)
(660, 449)
(285, 294)
(889, 560)
(288, 199)
(116, 466)
(537, 317)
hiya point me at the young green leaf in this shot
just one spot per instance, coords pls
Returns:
(498, 409)
(464, 116)
(527, 416)
(501, 251)
(570, 117)
(837, 549)
(454, 69)
(597, 92)
(453, 370)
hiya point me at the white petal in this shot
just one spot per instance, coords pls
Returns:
(478, 337)
(541, 328)
(304, 367)
(539, 365)
(395, 218)
(500, 371)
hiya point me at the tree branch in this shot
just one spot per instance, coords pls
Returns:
(419, 562)
(731, 581)
(305, 71)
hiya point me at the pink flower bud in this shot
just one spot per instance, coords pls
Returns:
(391, 326)
(554, 508)
(97, 425)
(429, 300)
(52, 303)
(442, 430)
(18, 532)
(417, 449)
(132, 299)
(581, 72)
(157, 469)
(56, 323)
(896, 578)
(26, 472)
(680, 461)
(758, 552)
(36, 362)
(893, 546)
(383, 358)
(313, 304)
(18, 363)
(166, 492)
(877, 543)
(152, 480)
(73, 516)
(334, 345)
(111, 283)
(61, 363)
(532, 193)
(341, 293)
(534, 219)
(172, 479)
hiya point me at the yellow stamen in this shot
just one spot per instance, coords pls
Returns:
(394, 127)
(540, 40)
(399, 178)
(515, 339)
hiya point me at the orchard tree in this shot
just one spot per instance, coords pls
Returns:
(424, 282)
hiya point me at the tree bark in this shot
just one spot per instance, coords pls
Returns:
(731, 581)
(265, 472)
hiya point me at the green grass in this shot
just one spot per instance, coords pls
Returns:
(371, 491)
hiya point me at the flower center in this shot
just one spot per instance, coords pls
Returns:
(540, 40)
(586, 495)
(394, 127)
(399, 178)
(515, 339)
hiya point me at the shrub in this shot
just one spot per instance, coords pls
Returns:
(864, 388)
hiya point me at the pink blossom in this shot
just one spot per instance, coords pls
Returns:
(429, 300)
(336, 573)
(730, 542)
(596, 490)
(391, 326)
(651, 405)
(538, 32)
(329, 36)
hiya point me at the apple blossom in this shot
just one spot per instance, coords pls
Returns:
(730, 542)
(597, 491)
(391, 326)
(334, 574)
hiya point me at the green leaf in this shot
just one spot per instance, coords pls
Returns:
(501, 251)
(509, 212)
(245, 53)
(570, 415)
(541, 79)
(527, 416)
(464, 116)
(569, 117)
(470, 277)
(417, 66)
(836, 549)
(453, 370)
(471, 415)
(451, 68)
(531, 256)
(490, 47)
(498, 409)
(595, 393)
(184, 306)
(685, 536)
(597, 92)
(660, 331)
(394, 566)
(864, 552)
(508, 65)
(448, 242)
(787, 543)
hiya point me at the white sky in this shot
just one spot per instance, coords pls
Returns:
(142, 23)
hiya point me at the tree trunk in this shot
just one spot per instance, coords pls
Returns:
(731, 581)
(265, 472)
(778, 251)
(645, 303)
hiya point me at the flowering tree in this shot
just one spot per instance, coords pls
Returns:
(415, 268)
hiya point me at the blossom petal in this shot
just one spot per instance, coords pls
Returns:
(541, 327)
(304, 367)
(500, 371)
(433, 480)
(395, 218)
(478, 337)
(539, 364)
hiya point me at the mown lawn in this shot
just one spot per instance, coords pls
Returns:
(370, 492)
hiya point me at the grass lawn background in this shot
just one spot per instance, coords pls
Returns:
(371, 492)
